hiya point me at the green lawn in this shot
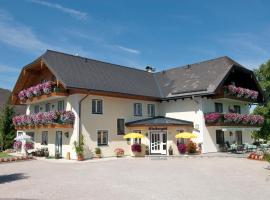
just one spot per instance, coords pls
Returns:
(4, 155)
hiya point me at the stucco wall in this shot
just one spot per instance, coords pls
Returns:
(113, 108)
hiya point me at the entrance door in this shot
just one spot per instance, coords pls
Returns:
(238, 135)
(58, 143)
(158, 143)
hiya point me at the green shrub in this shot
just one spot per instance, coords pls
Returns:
(267, 156)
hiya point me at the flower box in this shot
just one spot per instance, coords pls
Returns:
(44, 119)
(240, 92)
(234, 118)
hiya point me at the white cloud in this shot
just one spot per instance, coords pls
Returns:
(7, 69)
(129, 50)
(18, 35)
(75, 13)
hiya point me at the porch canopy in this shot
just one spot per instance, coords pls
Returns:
(160, 121)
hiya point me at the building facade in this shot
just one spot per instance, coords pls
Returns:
(67, 96)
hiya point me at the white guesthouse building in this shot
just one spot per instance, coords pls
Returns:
(69, 95)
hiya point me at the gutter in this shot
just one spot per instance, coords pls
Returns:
(80, 121)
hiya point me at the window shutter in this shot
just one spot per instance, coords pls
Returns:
(93, 106)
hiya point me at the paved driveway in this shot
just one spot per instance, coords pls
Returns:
(142, 178)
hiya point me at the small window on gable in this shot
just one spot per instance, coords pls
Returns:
(48, 107)
(61, 105)
(36, 109)
(237, 109)
(218, 107)
(97, 106)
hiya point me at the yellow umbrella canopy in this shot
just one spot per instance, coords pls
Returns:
(133, 135)
(186, 135)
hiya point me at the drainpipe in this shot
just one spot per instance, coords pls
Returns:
(80, 121)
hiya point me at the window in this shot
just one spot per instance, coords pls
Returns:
(31, 134)
(47, 107)
(151, 110)
(218, 107)
(102, 138)
(61, 105)
(137, 140)
(137, 109)
(238, 135)
(237, 109)
(219, 137)
(44, 138)
(120, 126)
(36, 109)
(97, 106)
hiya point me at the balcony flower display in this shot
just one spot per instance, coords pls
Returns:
(45, 118)
(234, 118)
(241, 92)
(212, 117)
(37, 90)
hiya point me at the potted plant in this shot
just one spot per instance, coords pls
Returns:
(182, 148)
(119, 152)
(170, 151)
(191, 147)
(136, 149)
(147, 150)
(79, 148)
(98, 152)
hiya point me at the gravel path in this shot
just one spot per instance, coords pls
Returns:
(138, 179)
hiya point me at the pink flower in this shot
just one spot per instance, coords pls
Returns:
(212, 117)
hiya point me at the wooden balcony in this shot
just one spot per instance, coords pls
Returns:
(49, 126)
(45, 97)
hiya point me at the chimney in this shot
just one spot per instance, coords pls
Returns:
(150, 69)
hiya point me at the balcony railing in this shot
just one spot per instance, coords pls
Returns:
(39, 92)
(233, 119)
(240, 93)
(52, 119)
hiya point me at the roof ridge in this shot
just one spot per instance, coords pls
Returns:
(197, 63)
(81, 57)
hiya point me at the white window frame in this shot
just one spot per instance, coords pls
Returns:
(47, 138)
(137, 109)
(63, 105)
(95, 108)
(102, 134)
(151, 110)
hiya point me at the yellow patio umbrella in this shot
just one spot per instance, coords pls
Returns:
(186, 135)
(133, 135)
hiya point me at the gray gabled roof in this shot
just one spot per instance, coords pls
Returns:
(196, 79)
(79, 72)
(159, 121)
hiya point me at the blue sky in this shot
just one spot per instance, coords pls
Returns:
(137, 33)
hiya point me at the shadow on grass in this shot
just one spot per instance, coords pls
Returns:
(12, 177)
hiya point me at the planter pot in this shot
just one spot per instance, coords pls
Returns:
(98, 155)
(80, 158)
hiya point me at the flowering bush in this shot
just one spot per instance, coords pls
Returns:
(242, 92)
(28, 145)
(17, 145)
(182, 148)
(44, 118)
(236, 118)
(119, 152)
(191, 147)
(136, 148)
(37, 90)
(212, 117)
